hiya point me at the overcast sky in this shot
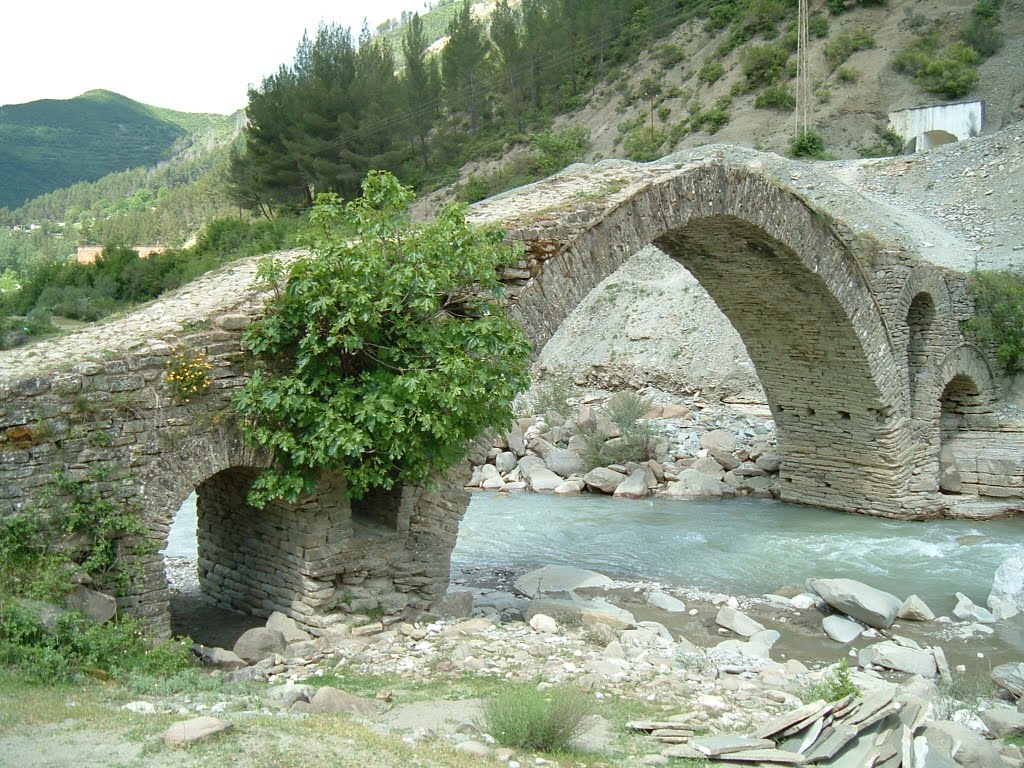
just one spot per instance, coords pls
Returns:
(189, 55)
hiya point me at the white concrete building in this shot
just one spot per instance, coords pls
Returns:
(927, 127)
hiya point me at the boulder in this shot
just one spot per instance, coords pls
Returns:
(1010, 677)
(543, 480)
(726, 459)
(541, 622)
(694, 484)
(259, 643)
(966, 747)
(634, 486)
(576, 610)
(841, 629)
(718, 440)
(284, 696)
(709, 466)
(557, 578)
(95, 605)
(190, 731)
(666, 602)
(1007, 596)
(328, 699)
(889, 655)
(675, 411)
(569, 487)
(517, 442)
(915, 609)
(872, 606)
(454, 605)
(288, 627)
(738, 622)
(966, 609)
(1003, 722)
(769, 462)
(607, 428)
(505, 462)
(603, 479)
(564, 462)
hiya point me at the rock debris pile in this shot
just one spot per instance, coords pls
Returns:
(676, 450)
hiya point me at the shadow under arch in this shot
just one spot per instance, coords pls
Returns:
(792, 287)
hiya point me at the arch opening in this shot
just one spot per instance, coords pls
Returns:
(960, 404)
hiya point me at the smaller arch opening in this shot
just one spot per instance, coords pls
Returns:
(923, 339)
(961, 400)
(200, 557)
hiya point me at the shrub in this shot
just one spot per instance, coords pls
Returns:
(836, 685)
(669, 55)
(637, 442)
(808, 145)
(848, 74)
(982, 33)
(949, 72)
(643, 144)
(889, 143)
(551, 394)
(526, 718)
(817, 25)
(710, 72)
(776, 97)
(764, 64)
(998, 321)
(75, 646)
(845, 45)
(557, 149)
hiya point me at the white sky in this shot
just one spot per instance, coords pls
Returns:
(188, 55)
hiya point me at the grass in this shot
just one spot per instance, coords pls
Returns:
(86, 722)
(538, 720)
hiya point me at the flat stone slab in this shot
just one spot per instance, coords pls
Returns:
(738, 622)
(190, 731)
(716, 746)
(558, 578)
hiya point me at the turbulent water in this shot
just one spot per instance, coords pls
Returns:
(743, 546)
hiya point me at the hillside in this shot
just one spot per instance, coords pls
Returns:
(50, 144)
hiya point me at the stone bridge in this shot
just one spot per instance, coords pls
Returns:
(856, 341)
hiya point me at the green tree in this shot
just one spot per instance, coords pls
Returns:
(464, 66)
(421, 86)
(386, 350)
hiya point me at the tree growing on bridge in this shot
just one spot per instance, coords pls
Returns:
(386, 350)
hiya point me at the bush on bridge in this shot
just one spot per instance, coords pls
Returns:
(998, 322)
(385, 350)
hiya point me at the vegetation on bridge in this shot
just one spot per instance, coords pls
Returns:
(385, 350)
(998, 322)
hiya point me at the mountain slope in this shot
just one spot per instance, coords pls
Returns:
(49, 144)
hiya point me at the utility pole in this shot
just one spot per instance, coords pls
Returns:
(801, 116)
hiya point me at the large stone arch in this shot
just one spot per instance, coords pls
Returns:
(818, 339)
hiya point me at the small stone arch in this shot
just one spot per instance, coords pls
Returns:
(966, 387)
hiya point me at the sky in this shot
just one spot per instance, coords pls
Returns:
(188, 55)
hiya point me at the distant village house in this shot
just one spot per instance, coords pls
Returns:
(87, 254)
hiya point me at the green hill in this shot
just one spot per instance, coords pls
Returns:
(49, 144)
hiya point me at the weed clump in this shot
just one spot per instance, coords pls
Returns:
(527, 718)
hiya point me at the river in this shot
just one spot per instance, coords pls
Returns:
(740, 546)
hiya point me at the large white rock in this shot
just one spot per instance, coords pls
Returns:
(915, 609)
(541, 622)
(899, 658)
(288, 627)
(694, 484)
(841, 629)
(872, 606)
(1007, 596)
(1010, 677)
(258, 643)
(563, 462)
(558, 578)
(738, 622)
(718, 440)
(603, 479)
(966, 609)
(634, 486)
(666, 602)
(543, 480)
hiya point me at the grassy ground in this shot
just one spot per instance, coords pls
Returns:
(84, 725)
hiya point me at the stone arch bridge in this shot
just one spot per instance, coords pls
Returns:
(856, 341)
